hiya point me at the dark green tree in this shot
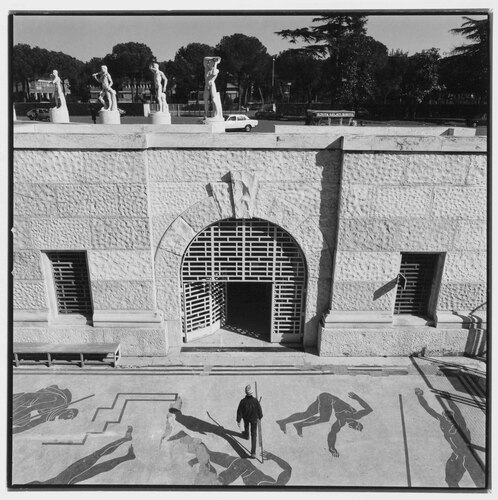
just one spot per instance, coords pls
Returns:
(129, 64)
(22, 68)
(390, 76)
(456, 76)
(303, 70)
(30, 64)
(477, 31)
(360, 65)
(351, 57)
(168, 67)
(326, 39)
(187, 69)
(421, 78)
(474, 56)
(86, 79)
(70, 70)
(245, 60)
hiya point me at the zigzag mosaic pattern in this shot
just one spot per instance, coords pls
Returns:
(118, 403)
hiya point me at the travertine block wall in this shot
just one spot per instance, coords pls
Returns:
(85, 200)
(134, 198)
(119, 207)
(407, 202)
(298, 190)
(304, 179)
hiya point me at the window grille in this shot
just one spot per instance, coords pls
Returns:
(72, 286)
(415, 283)
(244, 250)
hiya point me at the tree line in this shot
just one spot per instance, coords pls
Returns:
(338, 64)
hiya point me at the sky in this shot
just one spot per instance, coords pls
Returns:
(87, 36)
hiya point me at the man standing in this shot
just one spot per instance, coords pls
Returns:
(250, 411)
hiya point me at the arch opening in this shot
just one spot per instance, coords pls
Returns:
(245, 275)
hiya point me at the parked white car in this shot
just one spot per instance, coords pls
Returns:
(240, 122)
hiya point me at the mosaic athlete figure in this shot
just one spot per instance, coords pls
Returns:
(457, 434)
(87, 467)
(321, 411)
(34, 408)
(233, 467)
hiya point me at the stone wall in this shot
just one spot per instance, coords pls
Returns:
(133, 197)
(85, 200)
(135, 212)
(297, 190)
(393, 202)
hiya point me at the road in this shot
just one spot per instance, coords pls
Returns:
(264, 126)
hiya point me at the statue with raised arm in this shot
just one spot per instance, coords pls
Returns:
(59, 113)
(107, 93)
(210, 73)
(160, 82)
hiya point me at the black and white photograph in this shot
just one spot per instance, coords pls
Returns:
(249, 250)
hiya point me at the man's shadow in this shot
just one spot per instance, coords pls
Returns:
(202, 427)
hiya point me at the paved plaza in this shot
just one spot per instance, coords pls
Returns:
(328, 422)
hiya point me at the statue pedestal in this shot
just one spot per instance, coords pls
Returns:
(59, 115)
(160, 118)
(107, 117)
(217, 124)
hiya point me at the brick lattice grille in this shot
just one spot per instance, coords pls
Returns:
(418, 269)
(243, 250)
(72, 286)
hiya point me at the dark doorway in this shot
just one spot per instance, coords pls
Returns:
(249, 309)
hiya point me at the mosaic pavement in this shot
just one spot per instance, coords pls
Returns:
(420, 428)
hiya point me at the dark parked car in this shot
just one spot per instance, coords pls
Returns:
(363, 113)
(478, 121)
(38, 114)
(268, 115)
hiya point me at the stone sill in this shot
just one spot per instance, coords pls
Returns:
(142, 137)
(127, 319)
(379, 326)
(431, 131)
(411, 320)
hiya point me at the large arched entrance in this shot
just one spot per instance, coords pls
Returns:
(244, 274)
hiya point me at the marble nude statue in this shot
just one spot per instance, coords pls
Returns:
(160, 82)
(107, 93)
(59, 113)
(60, 100)
(210, 73)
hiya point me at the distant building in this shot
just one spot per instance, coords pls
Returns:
(43, 90)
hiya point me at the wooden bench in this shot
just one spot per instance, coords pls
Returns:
(52, 351)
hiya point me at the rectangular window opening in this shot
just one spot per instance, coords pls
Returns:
(417, 283)
(71, 283)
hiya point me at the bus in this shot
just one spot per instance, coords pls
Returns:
(328, 117)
